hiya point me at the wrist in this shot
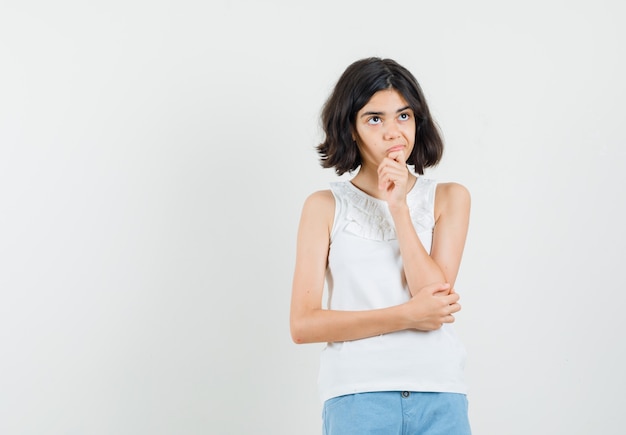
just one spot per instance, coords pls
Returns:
(404, 315)
(396, 208)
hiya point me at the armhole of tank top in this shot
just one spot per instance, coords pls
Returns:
(333, 227)
(433, 197)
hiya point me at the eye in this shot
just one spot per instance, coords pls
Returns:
(374, 120)
(404, 116)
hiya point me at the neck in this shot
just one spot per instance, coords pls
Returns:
(367, 181)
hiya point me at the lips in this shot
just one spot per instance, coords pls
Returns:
(395, 148)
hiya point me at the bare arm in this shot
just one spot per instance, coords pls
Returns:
(309, 322)
(452, 207)
(452, 212)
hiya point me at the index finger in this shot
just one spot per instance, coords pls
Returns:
(397, 155)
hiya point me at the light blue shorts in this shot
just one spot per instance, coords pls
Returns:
(396, 413)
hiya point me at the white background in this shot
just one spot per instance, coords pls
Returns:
(154, 157)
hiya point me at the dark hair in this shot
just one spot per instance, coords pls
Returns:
(356, 86)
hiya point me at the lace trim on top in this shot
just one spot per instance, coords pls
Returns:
(369, 217)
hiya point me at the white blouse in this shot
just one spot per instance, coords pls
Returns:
(365, 272)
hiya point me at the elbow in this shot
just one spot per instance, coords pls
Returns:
(300, 334)
(298, 340)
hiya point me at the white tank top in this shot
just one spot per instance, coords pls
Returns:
(365, 272)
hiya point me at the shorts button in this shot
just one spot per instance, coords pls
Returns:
(405, 394)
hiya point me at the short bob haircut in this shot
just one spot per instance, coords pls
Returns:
(359, 82)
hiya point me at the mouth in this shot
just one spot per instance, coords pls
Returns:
(395, 148)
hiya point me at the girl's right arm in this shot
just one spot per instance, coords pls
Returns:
(310, 323)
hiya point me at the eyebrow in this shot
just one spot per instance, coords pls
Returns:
(382, 113)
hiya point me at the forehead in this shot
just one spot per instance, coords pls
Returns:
(385, 100)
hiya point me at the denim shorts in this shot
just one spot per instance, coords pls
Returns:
(396, 413)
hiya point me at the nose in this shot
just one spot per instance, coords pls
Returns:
(391, 132)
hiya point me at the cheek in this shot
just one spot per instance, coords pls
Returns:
(410, 134)
(410, 129)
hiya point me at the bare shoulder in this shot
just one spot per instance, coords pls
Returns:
(452, 197)
(318, 213)
(319, 206)
(453, 192)
(321, 198)
(321, 201)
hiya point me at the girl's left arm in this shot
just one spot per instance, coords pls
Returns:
(452, 210)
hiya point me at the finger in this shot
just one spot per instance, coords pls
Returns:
(383, 175)
(438, 287)
(392, 173)
(448, 319)
(451, 299)
(397, 156)
(393, 160)
(389, 181)
(395, 168)
(384, 182)
(386, 165)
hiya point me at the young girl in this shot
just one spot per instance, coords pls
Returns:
(388, 243)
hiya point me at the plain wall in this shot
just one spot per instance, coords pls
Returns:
(154, 157)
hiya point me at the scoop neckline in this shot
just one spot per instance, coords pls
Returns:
(367, 195)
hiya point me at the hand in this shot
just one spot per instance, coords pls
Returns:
(393, 176)
(432, 306)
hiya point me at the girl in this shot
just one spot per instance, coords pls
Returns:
(388, 243)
